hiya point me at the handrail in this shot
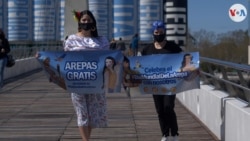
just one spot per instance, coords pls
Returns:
(230, 77)
(226, 64)
(21, 52)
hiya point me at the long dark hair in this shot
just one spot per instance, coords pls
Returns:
(89, 13)
(111, 58)
(2, 35)
(183, 63)
(103, 72)
(4, 43)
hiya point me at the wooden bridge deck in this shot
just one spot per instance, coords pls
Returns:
(31, 109)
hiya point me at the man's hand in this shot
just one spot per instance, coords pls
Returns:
(2, 50)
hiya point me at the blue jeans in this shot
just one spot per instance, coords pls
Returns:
(3, 62)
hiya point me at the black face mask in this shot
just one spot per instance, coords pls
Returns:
(159, 38)
(86, 26)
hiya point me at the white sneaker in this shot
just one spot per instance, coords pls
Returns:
(165, 138)
(175, 138)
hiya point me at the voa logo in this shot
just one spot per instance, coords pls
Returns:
(237, 12)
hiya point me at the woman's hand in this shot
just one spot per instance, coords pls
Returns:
(37, 54)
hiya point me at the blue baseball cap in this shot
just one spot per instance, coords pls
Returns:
(158, 24)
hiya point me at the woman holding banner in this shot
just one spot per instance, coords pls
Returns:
(90, 108)
(164, 104)
(4, 50)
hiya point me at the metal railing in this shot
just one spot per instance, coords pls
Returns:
(21, 52)
(230, 77)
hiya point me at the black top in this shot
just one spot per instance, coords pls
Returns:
(4, 43)
(170, 47)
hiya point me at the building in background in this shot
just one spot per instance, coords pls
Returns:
(52, 20)
(149, 11)
(125, 18)
(125, 23)
(32, 20)
(103, 12)
(3, 16)
(175, 18)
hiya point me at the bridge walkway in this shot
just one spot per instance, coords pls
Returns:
(32, 109)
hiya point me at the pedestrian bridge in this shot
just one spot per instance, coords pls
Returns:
(33, 109)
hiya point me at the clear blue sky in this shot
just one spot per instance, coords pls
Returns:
(212, 15)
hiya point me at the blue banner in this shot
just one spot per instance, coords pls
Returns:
(165, 74)
(84, 72)
(90, 72)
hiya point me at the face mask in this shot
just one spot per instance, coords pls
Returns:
(159, 38)
(86, 26)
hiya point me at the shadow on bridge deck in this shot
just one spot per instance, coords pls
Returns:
(31, 109)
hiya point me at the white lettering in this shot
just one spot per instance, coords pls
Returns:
(176, 29)
(177, 39)
(175, 19)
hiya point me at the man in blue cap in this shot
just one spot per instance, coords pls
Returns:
(164, 104)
